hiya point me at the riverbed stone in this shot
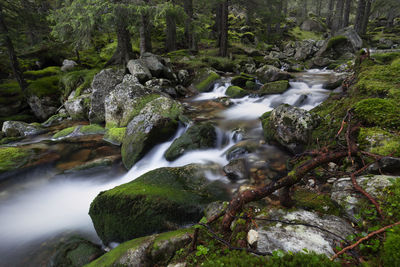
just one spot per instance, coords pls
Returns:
(277, 87)
(236, 92)
(268, 73)
(155, 250)
(290, 126)
(125, 101)
(237, 169)
(205, 80)
(103, 83)
(327, 234)
(160, 200)
(199, 136)
(19, 128)
(344, 194)
(156, 122)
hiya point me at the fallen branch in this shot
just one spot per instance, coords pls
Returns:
(363, 239)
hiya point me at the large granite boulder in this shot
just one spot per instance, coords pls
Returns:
(199, 136)
(19, 128)
(103, 83)
(205, 80)
(157, 66)
(78, 107)
(125, 101)
(156, 122)
(139, 70)
(269, 73)
(160, 200)
(289, 126)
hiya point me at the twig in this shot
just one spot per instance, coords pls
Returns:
(363, 239)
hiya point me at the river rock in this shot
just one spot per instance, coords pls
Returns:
(184, 77)
(236, 92)
(269, 73)
(19, 128)
(125, 101)
(103, 83)
(139, 70)
(199, 136)
(157, 66)
(350, 200)
(305, 49)
(79, 131)
(155, 250)
(156, 122)
(205, 80)
(289, 126)
(237, 169)
(78, 108)
(240, 149)
(327, 234)
(160, 200)
(75, 252)
(277, 87)
(353, 37)
(68, 65)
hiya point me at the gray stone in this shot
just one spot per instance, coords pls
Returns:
(237, 169)
(289, 126)
(346, 196)
(122, 104)
(44, 107)
(386, 165)
(68, 65)
(19, 128)
(327, 233)
(78, 108)
(184, 77)
(103, 83)
(138, 69)
(157, 66)
(155, 123)
(269, 73)
(305, 49)
(312, 25)
(353, 37)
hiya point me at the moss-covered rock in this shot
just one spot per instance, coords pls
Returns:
(79, 130)
(277, 87)
(75, 252)
(159, 200)
(12, 158)
(156, 122)
(115, 136)
(378, 112)
(269, 73)
(205, 80)
(378, 141)
(155, 250)
(236, 92)
(242, 79)
(19, 128)
(199, 136)
(309, 200)
(36, 74)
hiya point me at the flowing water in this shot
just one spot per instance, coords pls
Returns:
(39, 206)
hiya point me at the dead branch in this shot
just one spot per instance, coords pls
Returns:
(363, 239)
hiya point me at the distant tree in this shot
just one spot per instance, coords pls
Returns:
(346, 14)
(367, 14)
(190, 36)
(223, 28)
(358, 24)
(331, 5)
(337, 22)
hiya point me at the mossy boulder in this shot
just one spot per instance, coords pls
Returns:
(79, 130)
(160, 200)
(115, 136)
(277, 87)
(236, 92)
(155, 250)
(75, 252)
(19, 128)
(378, 112)
(269, 73)
(291, 127)
(205, 80)
(379, 141)
(155, 123)
(199, 136)
(12, 158)
(242, 79)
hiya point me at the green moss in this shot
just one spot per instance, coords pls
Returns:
(378, 141)
(36, 74)
(92, 129)
(236, 92)
(46, 86)
(64, 132)
(12, 158)
(391, 248)
(242, 79)
(206, 80)
(77, 80)
(9, 89)
(378, 112)
(277, 87)
(386, 58)
(218, 63)
(317, 202)
(304, 35)
(336, 40)
(140, 104)
(115, 135)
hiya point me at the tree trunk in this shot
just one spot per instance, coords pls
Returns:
(346, 15)
(331, 5)
(223, 47)
(145, 33)
(218, 23)
(285, 7)
(390, 18)
(11, 52)
(366, 17)
(359, 16)
(124, 50)
(170, 32)
(190, 37)
(304, 10)
(338, 19)
(319, 8)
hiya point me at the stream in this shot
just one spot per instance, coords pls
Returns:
(40, 207)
